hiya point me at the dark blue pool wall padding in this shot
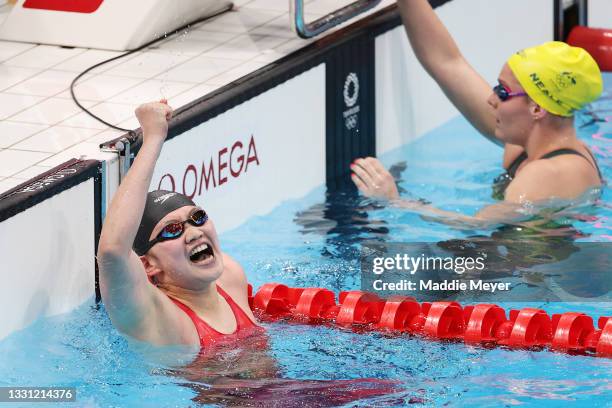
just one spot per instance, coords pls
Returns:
(350, 109)
(567, 18)
(49, 184)
(98, 180)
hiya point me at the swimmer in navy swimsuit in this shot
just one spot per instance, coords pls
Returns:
(163, 277)
(529, 112)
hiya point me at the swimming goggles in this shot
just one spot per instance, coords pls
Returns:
(176, 229)
(504, 93)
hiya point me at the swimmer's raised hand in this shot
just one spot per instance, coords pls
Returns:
(153, 118)
(373, 180)
(130, 299)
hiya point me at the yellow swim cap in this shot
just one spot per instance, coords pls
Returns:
(558, 77)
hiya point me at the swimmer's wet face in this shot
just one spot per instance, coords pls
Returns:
(191, 259)
(177, 243)
(513, 119)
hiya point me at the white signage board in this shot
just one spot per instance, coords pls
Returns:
(247, 160)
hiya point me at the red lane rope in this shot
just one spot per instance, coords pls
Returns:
(484, 324)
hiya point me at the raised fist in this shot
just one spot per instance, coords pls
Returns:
(153, 118)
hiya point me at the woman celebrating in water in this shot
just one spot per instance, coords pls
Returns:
(163, 277)
(165, 281)
(529, 112)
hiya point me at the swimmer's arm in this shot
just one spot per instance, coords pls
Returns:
(373, 180)
(136, 307)
(127, 294)
(125, 212)
(129, 298)
(536, 183)
(500, 213)
(126, 209)
(440, 56)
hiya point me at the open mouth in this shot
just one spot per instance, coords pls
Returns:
(201, 253)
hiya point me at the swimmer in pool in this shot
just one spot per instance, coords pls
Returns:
(164, 280)
(163, 277)
(529, 112)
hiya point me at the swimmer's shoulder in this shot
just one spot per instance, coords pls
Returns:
(233, 274)
(235, 283)
(564, 177)
(166, 323)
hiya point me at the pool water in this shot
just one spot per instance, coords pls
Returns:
(316, 241)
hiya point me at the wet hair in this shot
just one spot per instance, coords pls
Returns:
(159, 204)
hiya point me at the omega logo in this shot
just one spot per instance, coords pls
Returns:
(229, 162)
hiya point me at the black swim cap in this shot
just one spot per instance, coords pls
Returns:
(159, 204)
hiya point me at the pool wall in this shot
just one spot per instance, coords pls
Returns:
(48, 237)
(272, 135)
